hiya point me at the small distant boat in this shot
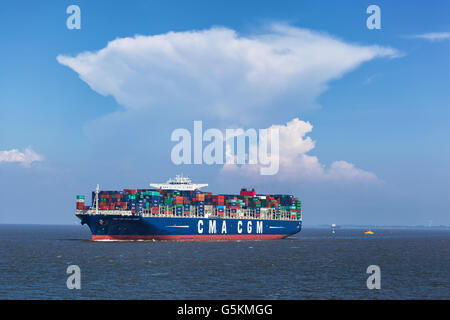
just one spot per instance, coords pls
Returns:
(332, 228)
(368, 232)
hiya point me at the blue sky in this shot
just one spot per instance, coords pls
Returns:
(386, 115)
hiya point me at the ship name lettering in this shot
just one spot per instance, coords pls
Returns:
(224, 226)
(212, 226)
(249, 227)
(200, 226)
(259, 226)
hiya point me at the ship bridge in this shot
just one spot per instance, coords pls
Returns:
(180, 183)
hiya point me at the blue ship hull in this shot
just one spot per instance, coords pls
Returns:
(120, 227)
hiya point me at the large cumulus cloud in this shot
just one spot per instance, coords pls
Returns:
(225, 79)
(296, 163)
(232, 77)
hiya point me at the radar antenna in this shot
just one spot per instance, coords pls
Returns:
(97, 191)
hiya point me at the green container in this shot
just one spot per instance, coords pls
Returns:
(80, 197)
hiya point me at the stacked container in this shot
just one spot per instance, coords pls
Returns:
(80, 203)
(182, 203)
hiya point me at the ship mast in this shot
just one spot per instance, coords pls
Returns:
(97, 190)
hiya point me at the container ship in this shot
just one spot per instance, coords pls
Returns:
(178, 210)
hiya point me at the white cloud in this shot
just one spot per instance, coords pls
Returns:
(433, 36)
(228, 79)
(295, 163)
(219, 74)
(344, 170)
(25, 158)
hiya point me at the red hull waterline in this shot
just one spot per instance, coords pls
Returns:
(200, 237)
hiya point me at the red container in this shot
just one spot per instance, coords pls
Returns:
(248, 193)
(178, 200)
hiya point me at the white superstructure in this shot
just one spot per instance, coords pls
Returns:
(179, 183)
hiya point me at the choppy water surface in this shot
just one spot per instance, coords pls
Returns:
(314, 264)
